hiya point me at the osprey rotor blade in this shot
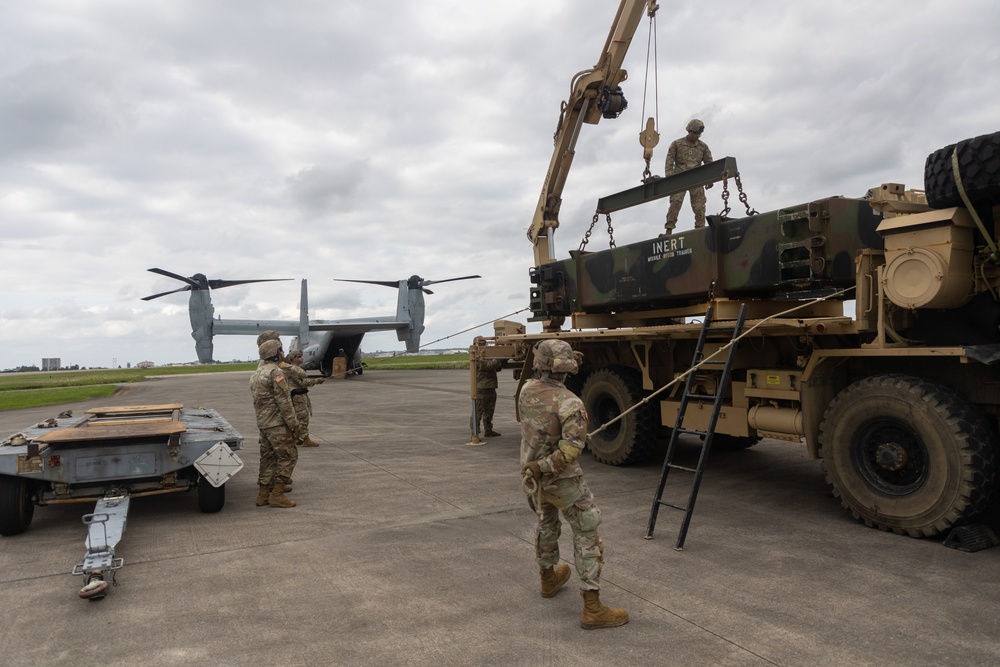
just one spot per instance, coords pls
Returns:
(386, 283)
(186, 288)
(219, 284)
(168, 274)
(199, 282)
(447, 280)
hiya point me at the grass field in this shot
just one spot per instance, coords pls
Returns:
(32, 390)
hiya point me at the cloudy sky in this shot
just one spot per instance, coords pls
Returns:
(375, 140)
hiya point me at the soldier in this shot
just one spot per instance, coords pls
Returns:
(486, 387)
(271, 334)
(686, 153)
(299, 383)
(279, 427)
(553, 435)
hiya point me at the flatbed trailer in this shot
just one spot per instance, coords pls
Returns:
(109, 456)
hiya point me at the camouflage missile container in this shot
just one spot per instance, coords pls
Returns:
(792, 253)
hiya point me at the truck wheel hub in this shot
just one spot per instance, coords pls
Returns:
(891, 456)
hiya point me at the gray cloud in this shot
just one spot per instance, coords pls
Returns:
(321, 188)
(359, 140)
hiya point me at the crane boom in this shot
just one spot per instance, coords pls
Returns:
(594, 94)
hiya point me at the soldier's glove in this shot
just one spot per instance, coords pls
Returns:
(532, 470)
(557, 462)
(708, 186)
(320, 380)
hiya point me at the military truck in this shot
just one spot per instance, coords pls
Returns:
(900, 402)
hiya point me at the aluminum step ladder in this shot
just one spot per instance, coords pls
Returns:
(687, 395)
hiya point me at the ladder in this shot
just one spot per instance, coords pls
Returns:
(686, 396)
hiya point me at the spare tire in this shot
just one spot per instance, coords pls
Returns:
(978, 165)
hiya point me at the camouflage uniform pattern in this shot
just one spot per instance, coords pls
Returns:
(554, 419)
(276, 422)
(297, 380)
(486, 388)
(683, 155)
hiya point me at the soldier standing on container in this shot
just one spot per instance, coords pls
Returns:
(553, 435)
(683, 154)
(299, 384)
(279, 427)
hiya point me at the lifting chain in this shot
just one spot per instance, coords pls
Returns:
(725, 196)
(742, 196)
(611, 232)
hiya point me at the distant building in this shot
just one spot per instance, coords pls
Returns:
(51, 364)
(145, 364)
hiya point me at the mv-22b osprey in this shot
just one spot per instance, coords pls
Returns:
(319, 340)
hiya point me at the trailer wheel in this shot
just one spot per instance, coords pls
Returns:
(16, 505)
(211, 499)
(908, 455)
(606, 394)
(978, 165)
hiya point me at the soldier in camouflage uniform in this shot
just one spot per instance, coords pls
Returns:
(553, 435)
(683, 154)
(279, 427)
(486, 388)
(299, 384)
(266, 335)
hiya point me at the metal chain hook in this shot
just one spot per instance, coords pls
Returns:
(743, 196)
(586, 236)
(725, 196)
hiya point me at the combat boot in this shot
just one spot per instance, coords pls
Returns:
(277, 497)
(309, 442)
(553, 580)
(490, 433)
(263, 491)
(596, 615)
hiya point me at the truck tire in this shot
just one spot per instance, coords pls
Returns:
(978, 164)
(16, 506)
(211, 499)
(575, 382)
(606, 394)
(908, 455)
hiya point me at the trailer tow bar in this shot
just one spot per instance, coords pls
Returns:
(105, 528)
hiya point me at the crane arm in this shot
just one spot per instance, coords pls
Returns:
(594, 94)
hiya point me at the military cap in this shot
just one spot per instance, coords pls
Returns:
(269, 349)
(555, 356)
(270, 334)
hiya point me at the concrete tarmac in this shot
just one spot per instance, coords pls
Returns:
(410, 548)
